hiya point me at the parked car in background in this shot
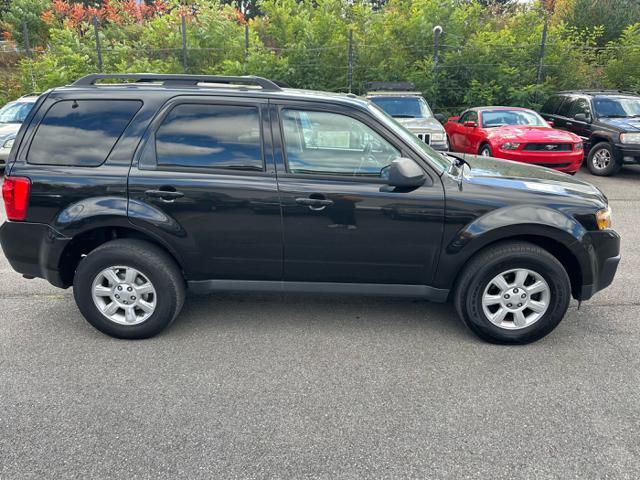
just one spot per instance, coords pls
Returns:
(608, 121)
(517, 134)
(132, 193)
(410, 109)
(11, 117)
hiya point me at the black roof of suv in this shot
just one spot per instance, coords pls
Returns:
(134, 192)
(607, 120)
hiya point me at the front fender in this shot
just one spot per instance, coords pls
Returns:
(516, 222)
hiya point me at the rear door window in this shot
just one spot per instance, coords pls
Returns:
(566, 107)
(80, 132)
(211, 136)
(580, 105)
(551, 105)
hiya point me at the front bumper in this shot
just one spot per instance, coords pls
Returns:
(627, 153)
(565, 162)
(34, 249)
(604, 253)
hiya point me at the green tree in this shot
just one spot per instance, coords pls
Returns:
(29, 12)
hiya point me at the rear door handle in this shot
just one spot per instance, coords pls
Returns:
(166, 195)
(314, 203)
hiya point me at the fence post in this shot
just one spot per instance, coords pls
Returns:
(25, 39)
(184, 43)
(437, 31)
(350, 66)
(543, 43)
(246, 45)
(98, 48)
(27, 49)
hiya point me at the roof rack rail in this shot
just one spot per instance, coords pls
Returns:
(599, 90)
(177, 79)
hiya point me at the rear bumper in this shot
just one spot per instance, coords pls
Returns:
(34, 249)
(564, 162)
(604, 258)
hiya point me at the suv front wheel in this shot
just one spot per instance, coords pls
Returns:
(514, 292)
(602, 161)
(129, 288)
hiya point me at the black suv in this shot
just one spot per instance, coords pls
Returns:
(133, 192)
(608, 121)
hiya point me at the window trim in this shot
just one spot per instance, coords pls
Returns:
(280, 147)
(147, 160)
(43, 116)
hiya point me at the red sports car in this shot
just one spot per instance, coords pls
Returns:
(516, 134)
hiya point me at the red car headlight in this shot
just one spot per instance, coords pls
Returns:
(510, 146)
(578, 146)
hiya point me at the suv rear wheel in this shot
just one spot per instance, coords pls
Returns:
(513, 292)
(129, 288)
(602, 161)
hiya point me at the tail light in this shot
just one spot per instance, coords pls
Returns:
(15, 192)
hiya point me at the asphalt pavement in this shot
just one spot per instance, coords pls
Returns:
(297, 386)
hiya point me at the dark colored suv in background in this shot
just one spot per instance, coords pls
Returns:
(134, 192)
(607, 120)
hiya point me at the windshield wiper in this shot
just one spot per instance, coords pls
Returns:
(613, 116)
(404, 116)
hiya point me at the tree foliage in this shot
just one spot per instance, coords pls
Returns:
(489, 51)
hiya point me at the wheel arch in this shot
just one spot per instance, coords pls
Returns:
(88, 240)
(569, 260)
(560, 234)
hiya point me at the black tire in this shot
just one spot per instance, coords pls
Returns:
(154, 263)
(603, 148)
(489, 263)
(485, 148)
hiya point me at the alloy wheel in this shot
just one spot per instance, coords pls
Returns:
(124, 295)
(516, 299)
(601, 159)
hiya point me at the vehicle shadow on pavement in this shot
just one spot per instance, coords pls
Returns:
(202, 313)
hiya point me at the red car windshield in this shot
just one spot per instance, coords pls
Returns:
(500, 118)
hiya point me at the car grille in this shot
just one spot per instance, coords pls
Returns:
(547, 147)
(425, 137)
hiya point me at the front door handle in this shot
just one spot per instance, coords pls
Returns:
(315, 203)
(164, 195)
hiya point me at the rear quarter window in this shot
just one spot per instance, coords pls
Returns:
(80, 132)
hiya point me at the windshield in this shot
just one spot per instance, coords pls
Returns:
(500, 118)
(439, 159)
(15, 112)
(404, 107)
(617, 106)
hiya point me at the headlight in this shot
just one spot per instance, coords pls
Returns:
(579, 146)
(8, 143)
(630, 137)
(510, 146)
(603, 218)
(438, 137)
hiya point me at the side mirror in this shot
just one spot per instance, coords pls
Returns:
(581, 117)
(404, 172)
(551, 123)
(470, 123)
(440, 117)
